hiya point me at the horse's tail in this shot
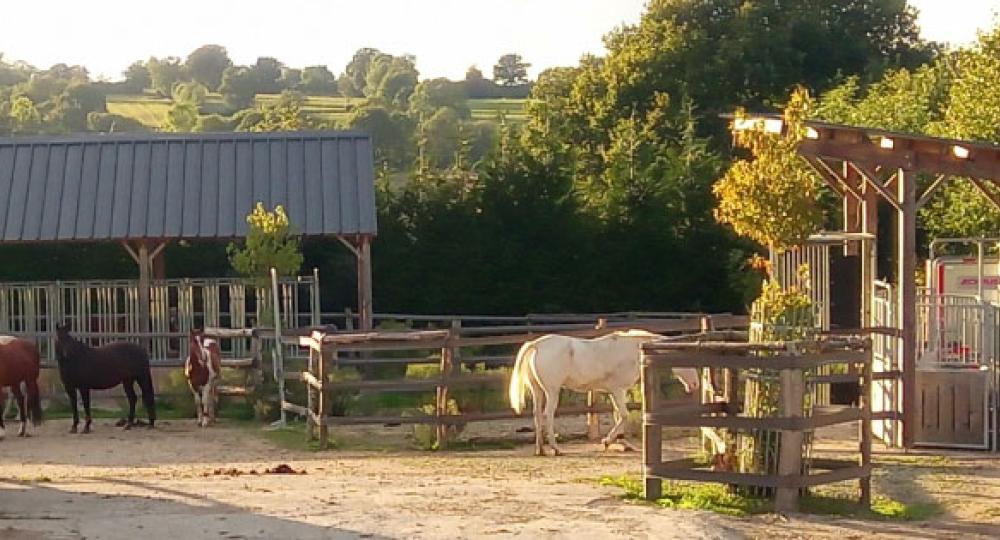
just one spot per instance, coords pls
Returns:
(34, 398)
(519, 376)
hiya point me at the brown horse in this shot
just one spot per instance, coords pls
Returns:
(202, 370)
(19, 363)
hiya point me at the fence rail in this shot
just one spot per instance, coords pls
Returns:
(443, 347)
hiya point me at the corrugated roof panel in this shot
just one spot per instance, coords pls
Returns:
(141, 179)
(32, 221)
(53, 192)
(121, 187)
(104, 204)
(208, 223)
(330, 164)
(18, 193)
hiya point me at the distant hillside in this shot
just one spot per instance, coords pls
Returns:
(151, 110)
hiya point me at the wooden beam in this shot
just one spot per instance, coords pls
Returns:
(906, 246)
(852, 188)
(871, 179)
(929, 192)
(832, 181)
(990, 196)
(349, 246)
(366, 312)
(131, 252)
(910, 160)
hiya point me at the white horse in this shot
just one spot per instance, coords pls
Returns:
(608, 364)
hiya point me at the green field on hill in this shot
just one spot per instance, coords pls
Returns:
(152, 110)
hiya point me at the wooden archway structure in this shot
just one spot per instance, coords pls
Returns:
(867, 167)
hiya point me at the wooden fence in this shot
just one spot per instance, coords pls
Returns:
(797, 362)
(328, 349)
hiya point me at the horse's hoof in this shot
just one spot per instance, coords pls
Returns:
(556, 452)
(72, 429)
(86, 429)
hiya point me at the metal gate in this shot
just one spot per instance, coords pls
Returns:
(956, 371)
(887, 397)
(105, 311)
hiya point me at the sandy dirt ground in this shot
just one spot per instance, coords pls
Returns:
(166, 483)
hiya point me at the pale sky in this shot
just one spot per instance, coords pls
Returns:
(447, 36)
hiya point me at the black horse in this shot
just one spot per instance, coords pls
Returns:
(84, 368)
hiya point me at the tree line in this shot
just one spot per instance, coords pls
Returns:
(601, 199)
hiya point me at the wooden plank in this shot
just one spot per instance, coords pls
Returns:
(792, 394)
(310, 380)
(652, 433)
(227, 333)
(696, 359)
(682, 419)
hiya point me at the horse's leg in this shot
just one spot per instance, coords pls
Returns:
(85, 396)
(551, 404)
(22, 407)
(148, 397)
(129, 386)
(199, 411)
(71, 392)
(619, 399)
(537, 404)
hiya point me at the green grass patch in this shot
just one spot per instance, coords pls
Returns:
(718, 498)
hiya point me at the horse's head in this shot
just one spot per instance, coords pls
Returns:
(195, 343)
(65, 343)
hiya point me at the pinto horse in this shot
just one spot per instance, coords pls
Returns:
(202, 370)
(608, 364)
(19, 363)
(83, 368)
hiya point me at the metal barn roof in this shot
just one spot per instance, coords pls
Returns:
(168, 186)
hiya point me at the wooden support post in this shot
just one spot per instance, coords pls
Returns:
(853, 208)
(145, 270)
(441, 408)
(594, 418)
(321, 404)
(278, 360)
(790, 456)
(652, 434)
(365, 309)
(311, 393)
(907, 287)
(865, 433)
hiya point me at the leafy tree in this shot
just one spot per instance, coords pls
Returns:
(441, 138)
(267, 73)
(182, 116)
(318, 81)
(290, 79)
(239, 86)
(773, 197)
(391, 80)
(356, 73)
(206, 65)
(192, 92)
(137, 77)
(12, 74)
(511, 70)
(433, 94)
(166, 72)
(70, 109)
(285, 114)
(391, 132)
(271, 242)
(113, 123)
(211, 123)
(24, 116)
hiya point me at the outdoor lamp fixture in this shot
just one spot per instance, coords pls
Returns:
(960, 152)
(887, 143)
(811, 133)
